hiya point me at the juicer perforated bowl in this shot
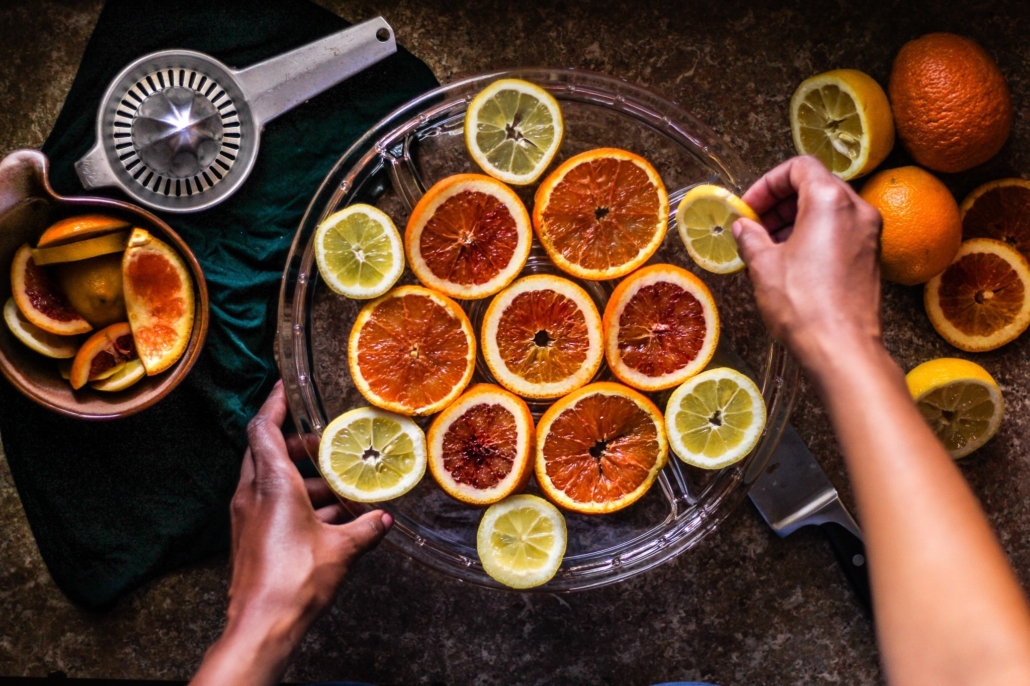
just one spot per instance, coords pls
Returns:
(391, 167)
(179, 131)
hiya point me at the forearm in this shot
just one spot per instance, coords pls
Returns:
(929, 543)
(251, 650)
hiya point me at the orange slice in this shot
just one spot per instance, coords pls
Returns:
(468, 237)
(661, 327)
(599, 449)
(1000, 210)
(480, 447)
(80, 228)
(411, 351)
(601, 214)
(42, 301)
(103, 354)
(982, 300)
(542, 337)
(158, 293)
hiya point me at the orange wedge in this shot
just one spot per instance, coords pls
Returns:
(601, 214)
(102, 355)
(80, 228)
(42, 301)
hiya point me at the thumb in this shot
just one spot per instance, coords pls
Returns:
(364, 533)
(752, 239)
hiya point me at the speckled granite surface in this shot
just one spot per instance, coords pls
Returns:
(742, 608)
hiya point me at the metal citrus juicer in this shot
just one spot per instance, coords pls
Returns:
(178, 130)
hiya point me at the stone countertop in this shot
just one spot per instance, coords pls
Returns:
(744, 607)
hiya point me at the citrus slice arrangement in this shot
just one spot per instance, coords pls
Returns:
(114, 300)
(599, 446)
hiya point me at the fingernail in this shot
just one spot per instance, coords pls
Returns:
(277, 384)
(737, 228)
(387, 521)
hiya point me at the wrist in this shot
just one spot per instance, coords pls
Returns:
(834, 354)
(254, 647)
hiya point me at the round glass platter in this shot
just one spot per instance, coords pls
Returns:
(391, 167)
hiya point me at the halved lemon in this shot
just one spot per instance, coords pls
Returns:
(542, 337)
(982, 300)
(43, 342)
(705, 221)
(359, 252)
(844, 119)
(513, 129)
(480, 447)
(715, 418)
(468, 237)
(960, 401)
(521, 541)
(370, 455)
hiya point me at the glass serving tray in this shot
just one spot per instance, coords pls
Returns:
(391, 167)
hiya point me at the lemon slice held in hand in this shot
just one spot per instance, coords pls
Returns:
(705, 220)
(521, 541)
(371, 455)
(960, 401)
(513, 129)
(359, 252)
(715, 418)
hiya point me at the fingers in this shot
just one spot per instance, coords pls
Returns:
(364, 533)
(298, 451)
(752, 238)
(783, 182)
(332, 514)
(319, 492)
(782, 215)
(265, 436)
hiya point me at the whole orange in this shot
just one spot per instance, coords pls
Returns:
(952, 107)
(922, 228)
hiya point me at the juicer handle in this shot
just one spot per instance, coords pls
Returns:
(94, 169)
(279, 84)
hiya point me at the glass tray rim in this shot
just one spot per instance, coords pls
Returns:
(779, 380)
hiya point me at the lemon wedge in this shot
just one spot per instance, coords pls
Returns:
(127, 375)
(513, 129)
(359, 252)
(370, 455)
(43, 342)
(521, 541)
(715, 418)
(843, 118)
(960, 400)
(705, 220)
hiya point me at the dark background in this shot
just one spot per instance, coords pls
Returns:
(743, 607)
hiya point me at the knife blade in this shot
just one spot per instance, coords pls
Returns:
(793, 491)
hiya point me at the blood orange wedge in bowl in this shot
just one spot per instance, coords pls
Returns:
(601, 214)
(600, 448)
(542, 337)
(468, 237)
(480, 447)
(411, 351)
(42, 301)
(982, 300)
(661, 327)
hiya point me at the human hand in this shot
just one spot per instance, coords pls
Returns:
(813, 260)
(287, 557)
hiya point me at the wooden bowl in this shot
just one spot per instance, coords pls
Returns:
(27, 207)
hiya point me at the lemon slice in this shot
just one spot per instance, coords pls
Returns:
(521, 541)
(370, 455)
(715, 418)
(843, 118)
(82, 250)
(513, 129)
(43, 342)
(705, 219)
(960, 400)
(359, 252)
(130, 373)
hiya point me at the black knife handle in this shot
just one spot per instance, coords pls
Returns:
(850, 553)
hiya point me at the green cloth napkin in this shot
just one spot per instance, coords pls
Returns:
(115, 504)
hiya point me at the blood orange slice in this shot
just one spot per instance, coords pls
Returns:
(159, 300)
(411, 351)
(661, 327)
(468, 237)
(542, 337)
(480, 447)
(600, 448)
(982, 300)
(102, 355)
(601, 214)
(1000, 210)
(41, 300)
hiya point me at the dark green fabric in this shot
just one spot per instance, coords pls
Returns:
(114, 504)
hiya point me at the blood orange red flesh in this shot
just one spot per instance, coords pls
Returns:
(468, 237)
(601, 214)
(480, 447)
(1000, 210)
(661, 326)
(103, 354)
(600, 448)
(411, 351)
(41, 300)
